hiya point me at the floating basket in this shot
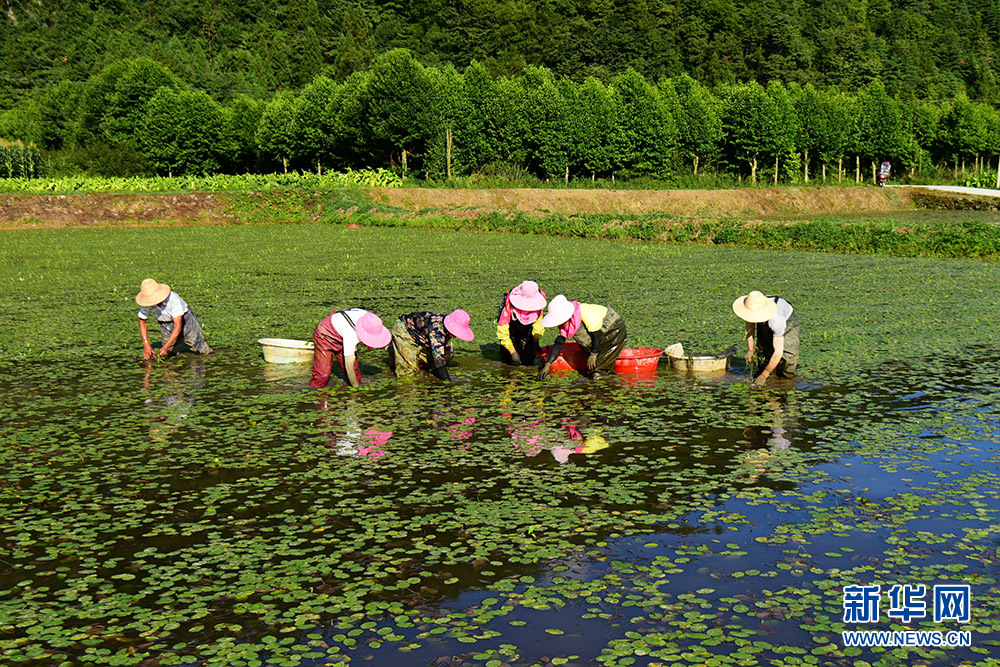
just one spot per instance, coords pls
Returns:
(631, 360)
(571, 358)
(698, 363)
(286, 350)
(638, 360)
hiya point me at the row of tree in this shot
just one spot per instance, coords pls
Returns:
(440, 122)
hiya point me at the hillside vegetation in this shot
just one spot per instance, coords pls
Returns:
(746, 92)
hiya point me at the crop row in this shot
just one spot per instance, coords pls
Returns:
(212, 183)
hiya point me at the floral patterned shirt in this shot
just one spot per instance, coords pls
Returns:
(428, 331)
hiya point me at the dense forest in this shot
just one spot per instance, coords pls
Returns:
(559, 88)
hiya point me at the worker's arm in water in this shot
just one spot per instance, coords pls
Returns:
(595, 345)
(537, 331)
(440, 352)
(169, 345)
(352, 377)
(553, 355)
(749, 336)
(503, 335)
(441, 370)
(147, 349)
(772, 363)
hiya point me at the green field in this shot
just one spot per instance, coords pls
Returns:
(212, 511)
(250, 282)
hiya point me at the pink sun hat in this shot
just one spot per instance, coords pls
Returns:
(527, 296)
(457, 324)
(372, 332)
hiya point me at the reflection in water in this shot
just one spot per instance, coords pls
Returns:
(763, 441)
(562, 436)
(343, 428)
(172, 386)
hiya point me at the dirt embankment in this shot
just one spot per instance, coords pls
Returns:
(756, 203)
(109, 210)
(105, 210)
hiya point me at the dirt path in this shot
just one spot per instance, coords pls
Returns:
(957, 189)
(756, 203)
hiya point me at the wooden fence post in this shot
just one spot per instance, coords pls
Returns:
(447, 141)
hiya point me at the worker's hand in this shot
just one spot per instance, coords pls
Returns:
(515, 358)
(749, 357)
(592, 362)
(544, 371)
(147, 351)
(759, 382)
(164, 351)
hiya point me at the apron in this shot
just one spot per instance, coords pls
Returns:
(789, 363)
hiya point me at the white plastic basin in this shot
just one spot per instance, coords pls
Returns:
(286, 350)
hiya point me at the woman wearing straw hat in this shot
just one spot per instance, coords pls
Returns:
(422, 340)
(519, 324)
(338, 335)
(598, 330)
(773, 326)
(176, 319)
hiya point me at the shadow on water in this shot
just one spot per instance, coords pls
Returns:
(554, 516)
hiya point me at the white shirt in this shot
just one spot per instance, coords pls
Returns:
(346, 331)
(173, 307)
(779, 322)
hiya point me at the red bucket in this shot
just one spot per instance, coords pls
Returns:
(631, 360)
(638, 360)
(571, 358)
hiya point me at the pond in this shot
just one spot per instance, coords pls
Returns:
(214, 511)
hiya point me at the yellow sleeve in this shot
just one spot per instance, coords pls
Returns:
(537, 330)
(593, 316)
(503, 335)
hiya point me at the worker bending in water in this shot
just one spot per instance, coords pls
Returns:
(519, 324)
(773, 328)
(175, 317)
(422, 341)
(338, 335)
(598, 330)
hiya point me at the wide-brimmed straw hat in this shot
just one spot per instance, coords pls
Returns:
(457, 324)
(151, 292)
(560, 310)
(371, 331)
(527, 296)
(755, 307)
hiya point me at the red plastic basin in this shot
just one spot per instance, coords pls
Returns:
(638, 360)
(631, 360)
(571, 358)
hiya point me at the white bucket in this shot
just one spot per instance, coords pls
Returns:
(696, 363)
(286, 350)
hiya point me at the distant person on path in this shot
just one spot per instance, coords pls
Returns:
(598, 330)
(773, 327)
(177, 321)
(337, 335)
(519, 324)
(421, 341)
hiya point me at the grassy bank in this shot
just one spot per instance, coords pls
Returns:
(969, 239)
(884, 237)
(762, 220)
